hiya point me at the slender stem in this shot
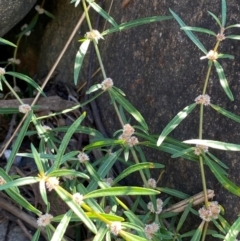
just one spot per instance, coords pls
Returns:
(203, 181)
(204, 231)
(140, 171)
(117, 111)
(12, 90)
(207, 77)
(15, 57)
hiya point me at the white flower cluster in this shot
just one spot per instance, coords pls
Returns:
(203, 99)
(199, 148)
(210, 212)
(150, 229)
(107, 84)
(83, 157)
(115, 227)
(159, 204)
(24, 108)
(44, 220)
(127, 135)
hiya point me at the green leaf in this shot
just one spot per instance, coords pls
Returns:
(94, 88)
(135, 168)
(173, 192)
(9, 110)
(189, 33)
(216, 18)
(103, 143)
(235, 37)
(79, 59)
(104, 14)
(131, 237)
(67, 198)
(183, 152)
(118, 191)
(201, 30)
(175, 122)
(128, 107)
(197, 235)
(4, 41)
(66, 139)
(226, 113)
(233, 26)
(62, 226)
(66, 172)
(184, 216)
(50, 15)
(26, 79)
(226, 183)
(37, 159)
(30, 26)
(20, 182)
(225, 56)
(135, 23)
(223, 80)
(224, 13)
(36, 235)
(76, 2)
(215, 144)
(217, 160)
(18, 141)
(43, 192)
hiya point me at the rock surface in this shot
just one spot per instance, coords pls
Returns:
(12, 11)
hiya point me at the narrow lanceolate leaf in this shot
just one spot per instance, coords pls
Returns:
(104, 14)
(189, 33)
(226, 113)
(79, 59)
(26, 79)
(226, 183)
(215, 144)
(66, 139)
(220, 163)
(8, 110)
(18, 141)
(66, 172)
(120, 191)
(198, 233)
(216, 18)
(235, 37)
(4, 41)
(67, 198)
(201, 30)
(225, 56)
(183, 152)
(233, 26)
(223, 80)
(37, 159)
(233, 231)
(62, 226)
(129, 108)
(175, 122)
(135, 168)
(224, 13)
(135, 23)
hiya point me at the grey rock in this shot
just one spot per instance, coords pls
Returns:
(12, 11)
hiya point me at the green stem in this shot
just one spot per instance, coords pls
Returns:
(12, 90)
(140, 171)
(117, 111)
(94, 42)
(207, 77)
(15, 57)
(204, 231)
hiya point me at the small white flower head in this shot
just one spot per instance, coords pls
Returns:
(221, 35)
(2, 71)
(51, 183)
(199, 148)
(107, 84)
(203, 99)
(39, 9)
(115, 227)
(215, 209)
(2, 181)
(44, 220)
(94, 35)
(159, 204)
(108, 181)
(78, 198)
(24, 27)
(83, 157)
(152, 183)
(46, 128)
(205, 214)
(132, 141)
(150, 229)
(14, 61)
(211, 55)
(128, 130)
(24, 108)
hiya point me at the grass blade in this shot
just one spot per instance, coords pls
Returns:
(224, 13)
(104, 14)
(129, 108)
(233, 26)
(135, 23)
(79, 59)
(216, 18)
(4, 41)
(189, 33)
(226, 113)
(175, 122)
(223, 80)
(234, 37)
(233, 231)
(201, 30)
(215, 144)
